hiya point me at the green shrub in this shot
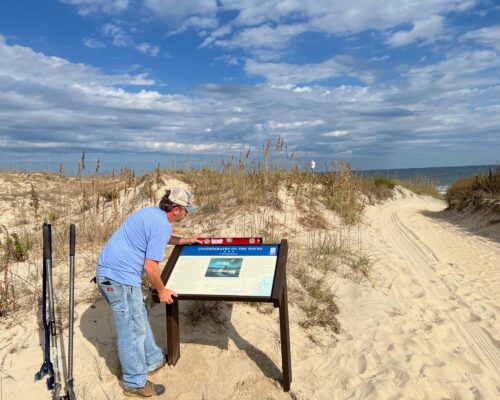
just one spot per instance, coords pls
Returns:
(382, 181)
(109, 194)
(374, 192)
(16, 248)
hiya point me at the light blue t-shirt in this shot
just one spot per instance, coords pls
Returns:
(144, 234)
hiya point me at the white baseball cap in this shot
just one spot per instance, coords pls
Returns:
(183, 198)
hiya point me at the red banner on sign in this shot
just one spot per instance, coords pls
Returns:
(238, 240)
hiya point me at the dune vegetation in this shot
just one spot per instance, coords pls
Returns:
(317, 213)
(476, 192)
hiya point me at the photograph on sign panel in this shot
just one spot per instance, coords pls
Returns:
(224, 267)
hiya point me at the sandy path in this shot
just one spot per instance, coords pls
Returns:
(442, 290)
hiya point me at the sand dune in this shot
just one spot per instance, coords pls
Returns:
(424, 326)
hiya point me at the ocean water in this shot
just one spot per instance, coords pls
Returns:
(441, 176)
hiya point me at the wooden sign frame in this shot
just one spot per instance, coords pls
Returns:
(279, 298)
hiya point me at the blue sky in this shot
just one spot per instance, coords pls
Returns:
(383, 84)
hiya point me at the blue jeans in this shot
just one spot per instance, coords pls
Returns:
(137, 350)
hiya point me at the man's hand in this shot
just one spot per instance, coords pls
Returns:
(152, 269)
(166, 296)
(179, 240)
(192, 240)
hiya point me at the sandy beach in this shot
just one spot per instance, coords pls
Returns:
(422, 326)
(428, 328)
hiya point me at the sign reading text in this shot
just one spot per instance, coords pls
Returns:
(235, 270)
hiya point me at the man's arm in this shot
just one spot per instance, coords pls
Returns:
(179, 240)
(152, 269)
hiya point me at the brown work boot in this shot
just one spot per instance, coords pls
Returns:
(155, 371)
(150, 389)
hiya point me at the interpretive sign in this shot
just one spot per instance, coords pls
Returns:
(228, 272)
(239, 270)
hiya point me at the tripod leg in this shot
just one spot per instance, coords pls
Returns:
(52, 319)
(70, 394)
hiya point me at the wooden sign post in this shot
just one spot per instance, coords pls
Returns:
(228, 273)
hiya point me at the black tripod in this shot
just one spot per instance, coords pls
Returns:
(54, 379)
(47, 367)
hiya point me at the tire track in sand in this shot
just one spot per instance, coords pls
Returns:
(420, 257)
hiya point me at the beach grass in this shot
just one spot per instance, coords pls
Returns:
(382, 187)
(421, 185)
(251, 197)
(476, 192)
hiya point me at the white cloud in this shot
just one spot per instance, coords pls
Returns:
(141, 80)
(218, 33)
(289, 75)
(229, 60)
(93, 43)
(86, 7)
(489, 36)
(118, 35)
(263, 37)
(280, 73)
(302, 89)
(426, 29)
(199, 23)
(121, 38)
(335, 133)
(460, 70)
(179, 146)
(179, 10)
(232, 120)
(148, 48)
(23, 64)
(204, 22)
(295, 124)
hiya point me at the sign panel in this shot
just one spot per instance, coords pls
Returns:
(234, 270)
